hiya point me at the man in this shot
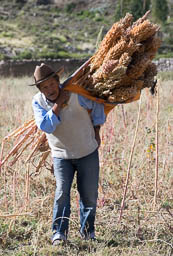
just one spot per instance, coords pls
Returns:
(71, 123)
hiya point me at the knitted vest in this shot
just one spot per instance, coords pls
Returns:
(74, 137)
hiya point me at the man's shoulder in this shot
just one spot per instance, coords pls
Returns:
(38, 94)
(37, 97)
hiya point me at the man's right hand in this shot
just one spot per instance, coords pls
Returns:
(63, 97)
(61, 100)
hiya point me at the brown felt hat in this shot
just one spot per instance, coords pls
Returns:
(44, 72)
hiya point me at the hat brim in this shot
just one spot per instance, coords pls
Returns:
(58, 72)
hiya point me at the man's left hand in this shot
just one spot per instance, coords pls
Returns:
(97, 135)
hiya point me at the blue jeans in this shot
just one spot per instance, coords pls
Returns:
(87, 169)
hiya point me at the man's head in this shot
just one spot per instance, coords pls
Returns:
(50, 88)
(47, 81)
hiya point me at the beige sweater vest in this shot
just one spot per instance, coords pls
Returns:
(74, 137)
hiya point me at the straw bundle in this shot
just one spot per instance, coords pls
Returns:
(27, 136)
(123, 66)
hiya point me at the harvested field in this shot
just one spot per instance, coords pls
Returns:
(146, 226)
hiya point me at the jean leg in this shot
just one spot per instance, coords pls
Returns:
(64, 174)
(87, 182)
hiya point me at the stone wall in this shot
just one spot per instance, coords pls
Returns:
(27, 67)
(164, 64)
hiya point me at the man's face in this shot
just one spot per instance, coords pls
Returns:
(50, 88)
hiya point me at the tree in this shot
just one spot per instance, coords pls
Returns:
(136, 7)
(139, 7)
(160, 10)
(121, 9)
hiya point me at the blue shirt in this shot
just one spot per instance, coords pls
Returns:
(47, 120)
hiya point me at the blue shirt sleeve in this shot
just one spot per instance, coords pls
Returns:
(45, 120)
(97, 110)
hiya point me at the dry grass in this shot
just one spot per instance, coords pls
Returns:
(26, 200)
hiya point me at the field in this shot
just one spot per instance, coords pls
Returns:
(136, 153)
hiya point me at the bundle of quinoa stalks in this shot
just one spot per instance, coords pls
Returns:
(122, 66)
(27, 136)
(117, 72)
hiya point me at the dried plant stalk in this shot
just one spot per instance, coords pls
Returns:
(130, 161)
(120, 67)
(117, 30)
(123, 93)
(157, 153)
(27, 187)
(1, 154)
(149, 75)
(140, 20)
(18, 145)
(136, 70)
(125, 59)
(42, 160)
(16, 215)
(20, 153)
(143, 31)
(28, 137)
(14, 190)
(21, 129)
(37, 145)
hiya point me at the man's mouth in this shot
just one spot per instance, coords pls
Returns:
(52, 97)
(51, 94)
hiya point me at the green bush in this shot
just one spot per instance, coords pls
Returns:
(164, 55)
(70, 7)
(63, 54)
(98, 17)
(7, 34)
(91, 14)
(26, 54)
(2, 56)
(61, 38)
(45, 54)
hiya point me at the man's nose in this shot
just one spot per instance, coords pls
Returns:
(49, 89)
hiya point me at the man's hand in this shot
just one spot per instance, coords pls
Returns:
(97, 135)
(62, 99)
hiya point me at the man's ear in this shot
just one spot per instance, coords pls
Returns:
(38, 86)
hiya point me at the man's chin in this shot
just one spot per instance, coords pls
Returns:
(52, 99)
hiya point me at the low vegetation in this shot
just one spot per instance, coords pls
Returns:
(30, 30)
(69, 29)
(146, 225)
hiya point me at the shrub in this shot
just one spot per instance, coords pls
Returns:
(7, 34)
(26, 54)
(93, 14)
(70, 7)
(2, 56)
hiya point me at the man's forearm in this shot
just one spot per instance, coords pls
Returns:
(63, 97)
(56, 109)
